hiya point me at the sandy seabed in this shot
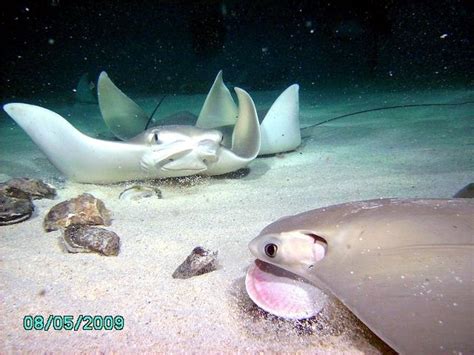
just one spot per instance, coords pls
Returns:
(417, 152)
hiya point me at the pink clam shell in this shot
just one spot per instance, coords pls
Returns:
(282, 293)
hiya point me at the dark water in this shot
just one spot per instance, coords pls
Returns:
(178, 46)
(348, 57)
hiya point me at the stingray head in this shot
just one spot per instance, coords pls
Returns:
(276, 281)
(179, 150)
(295, 251)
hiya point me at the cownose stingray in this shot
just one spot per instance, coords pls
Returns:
(280, 128)
(160, 152)
(85, 90)
(404, 267)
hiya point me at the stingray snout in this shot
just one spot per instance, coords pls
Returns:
(254, 247)
(207, 150)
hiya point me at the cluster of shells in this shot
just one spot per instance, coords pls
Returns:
(77, 218)
(82, 219)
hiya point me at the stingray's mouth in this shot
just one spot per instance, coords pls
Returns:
(283, 293)
(184, 165)
(182, 169)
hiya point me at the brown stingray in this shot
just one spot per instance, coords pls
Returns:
(403, 267)
(466, 192)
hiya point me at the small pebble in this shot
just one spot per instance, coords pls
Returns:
(199, 262)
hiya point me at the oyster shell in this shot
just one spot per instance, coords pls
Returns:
(15, 205)
(86, 239)
(84, 209)
(37, 189)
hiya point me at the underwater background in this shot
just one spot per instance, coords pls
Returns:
(349, 58)
(178, 46)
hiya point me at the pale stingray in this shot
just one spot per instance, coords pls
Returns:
(403, 267)
(160, 152)
(280, 130)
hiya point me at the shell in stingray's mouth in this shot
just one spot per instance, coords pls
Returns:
(283, 293)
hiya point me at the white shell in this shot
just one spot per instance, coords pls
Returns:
(282, 293)
(138, 192)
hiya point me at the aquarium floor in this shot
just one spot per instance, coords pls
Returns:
(418, 152)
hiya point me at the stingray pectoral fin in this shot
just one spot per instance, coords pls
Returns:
(422, 303)
(55, 136)
(245, 139)
(121, 114)
(219, 108)
(227, 162)
(281, 126)
(411, 277)
(79, 157)
(466, 192)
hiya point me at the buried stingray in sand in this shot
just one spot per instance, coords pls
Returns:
(164, 151)
(403, 267)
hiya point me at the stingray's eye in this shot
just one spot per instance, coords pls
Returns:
(154, 138)
(271, 250)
